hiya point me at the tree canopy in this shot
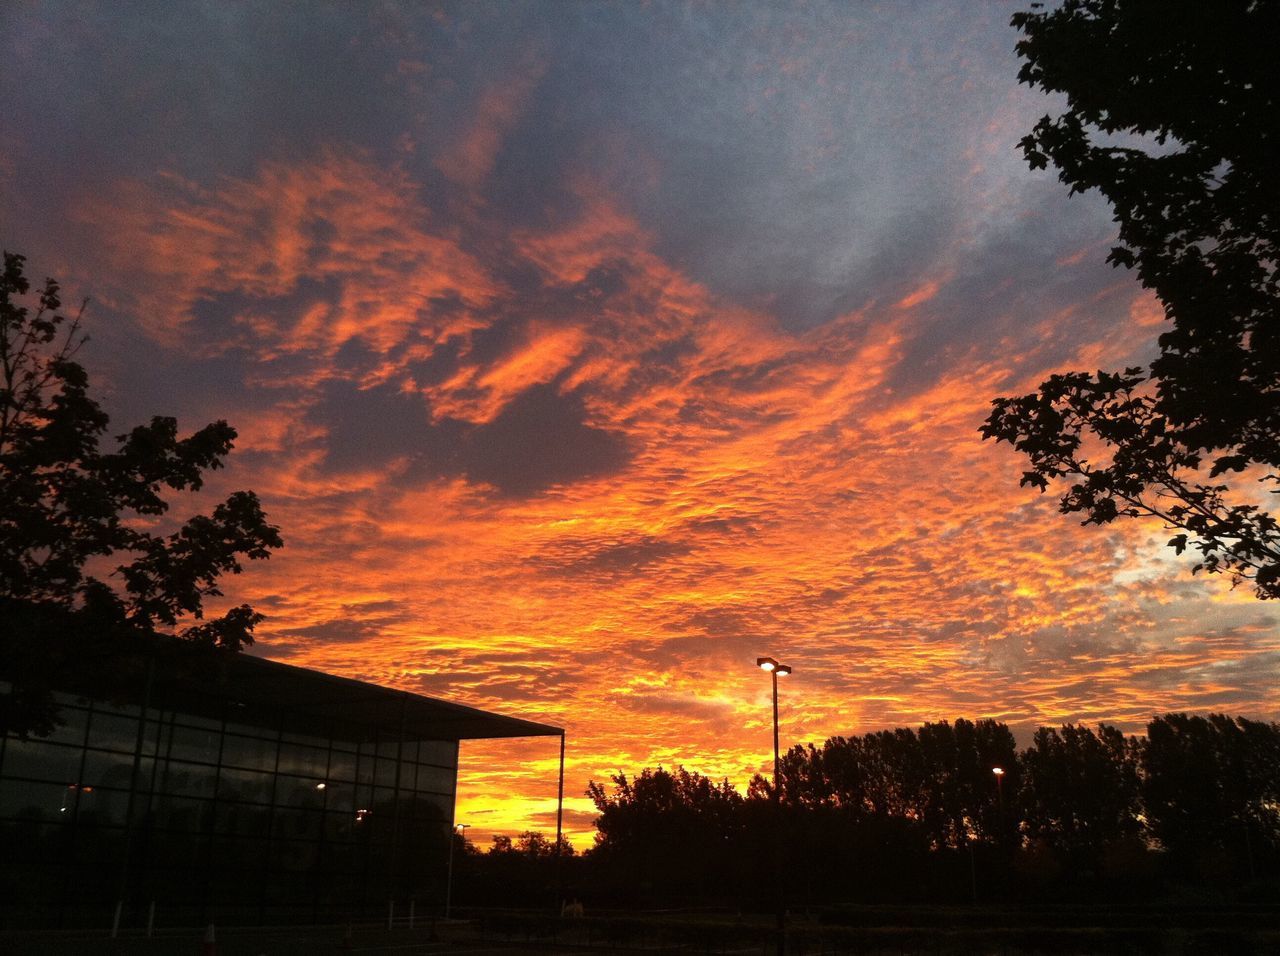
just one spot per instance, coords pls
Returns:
(1173, 115)
(914, 813)
(84, 562)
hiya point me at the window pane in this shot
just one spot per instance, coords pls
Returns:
(243, 819)
(199, 723)
(290, 856)
(248, 786)
(104, 769)
(189, 743)
(181, 813)
(267, 728)
(293, 824)
(187, 779)
(435, 807)
(386, 773)
(303, 760)
(342, 766)
(74, 721)
(41, 761)
(250, 752)
(339, 826)
(109, 731)
(435, 779)
(299, 792)
(309, 731)
(100, 806)
(441, 752)
(122, 710)
(27, 800)
(340, 795)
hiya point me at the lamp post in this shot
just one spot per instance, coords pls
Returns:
(998, 772)
(776, 670)
(448, 883)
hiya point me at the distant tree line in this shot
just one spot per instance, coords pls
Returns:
(919, 816)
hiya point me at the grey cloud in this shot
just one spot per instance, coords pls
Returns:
(372, 426)
(340, 631)
(540, 439)
(609, 558)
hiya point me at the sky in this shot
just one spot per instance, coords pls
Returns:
(584, 352)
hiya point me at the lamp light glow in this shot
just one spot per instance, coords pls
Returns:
(998, 771)
(768, 664)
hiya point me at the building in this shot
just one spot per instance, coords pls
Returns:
(234, 789)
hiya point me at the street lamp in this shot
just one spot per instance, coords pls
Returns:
(776, 670)
(999, 775)
(448, 883)
(770, 666)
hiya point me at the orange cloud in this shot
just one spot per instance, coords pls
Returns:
(921, 295)
(807, 494)
(470, 159)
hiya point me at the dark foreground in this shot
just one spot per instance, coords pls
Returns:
(1183, 931)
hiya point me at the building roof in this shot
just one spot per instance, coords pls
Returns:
(258, 680)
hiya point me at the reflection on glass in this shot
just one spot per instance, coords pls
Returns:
(248, 786)
(190, 743)
(108, 731)
(436, 779)
(39, 760)
(72, 724)
(342, 766)
(106, 769)
(443, 753)
(99, 805)
(188, 779)
(36, 800)
(253, 753)
(302, 759)
(296, 834)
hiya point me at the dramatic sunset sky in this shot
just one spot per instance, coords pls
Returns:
(585, 351)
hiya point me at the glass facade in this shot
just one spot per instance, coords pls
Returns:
(247, 813)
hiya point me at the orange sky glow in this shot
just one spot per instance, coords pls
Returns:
(575, 434)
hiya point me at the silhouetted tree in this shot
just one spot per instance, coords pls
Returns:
(1080, 792)
(520, 871)
(1211, 783)
(676, 834)
(915, 815)
(1172, 115)
(959, 797)
(68, 508)
(532, 844)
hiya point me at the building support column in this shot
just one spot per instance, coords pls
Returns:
(560, 829)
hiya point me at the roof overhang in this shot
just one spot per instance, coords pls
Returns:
(327, 695)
